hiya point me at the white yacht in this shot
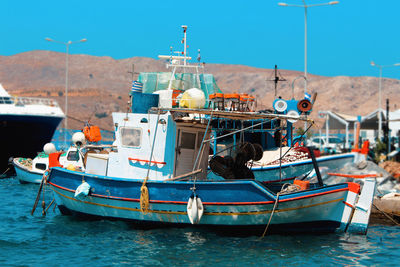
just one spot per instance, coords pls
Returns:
(26, 124)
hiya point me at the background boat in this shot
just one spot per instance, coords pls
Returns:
(26, 124)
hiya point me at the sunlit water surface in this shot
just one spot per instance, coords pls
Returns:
(57, 240)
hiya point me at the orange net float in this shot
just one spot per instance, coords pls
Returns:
(92, 133)
(217, 96)
(218, 100)
(233, 101)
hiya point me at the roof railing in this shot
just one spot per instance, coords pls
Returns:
(22, 101)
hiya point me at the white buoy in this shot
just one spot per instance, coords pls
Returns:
(195, 209)
(82, 191)
(78, 138)
(49, 148)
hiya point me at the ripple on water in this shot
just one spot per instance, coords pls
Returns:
(59, 240)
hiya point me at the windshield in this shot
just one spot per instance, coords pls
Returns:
(334, 140)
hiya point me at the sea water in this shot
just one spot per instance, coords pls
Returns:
(57, 240)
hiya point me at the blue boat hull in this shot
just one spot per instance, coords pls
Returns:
(239, 204)
(25, 135)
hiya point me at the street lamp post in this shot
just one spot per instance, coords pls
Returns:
(67, 44)
(380, 94)
(305, 31)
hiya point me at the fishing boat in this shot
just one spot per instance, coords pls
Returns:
(83, 143)
(26, 123)
(280, 157)
(31, 170)
(157, 174)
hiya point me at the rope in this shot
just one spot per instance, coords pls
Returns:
(51, 203)
(5, 171)
(200, 153)
(272, 214)
(144, 198)
(387, 215)
(280, 151)
(79, 120)
(43, 200)
(144, 191)
(290, 148)
(38, 193)
(289, 188)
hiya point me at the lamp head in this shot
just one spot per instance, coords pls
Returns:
(372, 63)
(48, 39)
(83, 40)
(282, 4)
(333, 2)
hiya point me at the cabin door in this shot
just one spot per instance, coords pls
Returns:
(186, 151)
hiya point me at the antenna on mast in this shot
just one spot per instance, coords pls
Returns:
(170, 58)
(184, 27)
(198, 56)
(133, 71)
(277, 78)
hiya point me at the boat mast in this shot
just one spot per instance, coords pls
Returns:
(184, 44)
(277, 78)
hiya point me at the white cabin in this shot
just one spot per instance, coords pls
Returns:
(176, 147)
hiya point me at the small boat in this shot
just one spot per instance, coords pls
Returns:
(27, 123)
(32, 170)
(157, 175)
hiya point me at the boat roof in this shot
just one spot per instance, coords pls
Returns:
(235, 115)
(155, 81)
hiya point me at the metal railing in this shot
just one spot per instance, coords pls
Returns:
(22, 101)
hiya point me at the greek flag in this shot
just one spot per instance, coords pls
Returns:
(307, 96)
(137, 87)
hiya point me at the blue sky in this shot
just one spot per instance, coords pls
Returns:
(342, 39)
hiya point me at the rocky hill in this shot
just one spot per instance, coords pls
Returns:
(99, 86)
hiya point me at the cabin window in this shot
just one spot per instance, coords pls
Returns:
(41, 166)
(188, 140)
(131, 136)
(73, 156)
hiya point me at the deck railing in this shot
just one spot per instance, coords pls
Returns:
(22, 101)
